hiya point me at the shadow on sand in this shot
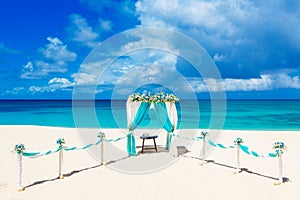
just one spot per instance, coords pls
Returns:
(285, 179)
(181, 151)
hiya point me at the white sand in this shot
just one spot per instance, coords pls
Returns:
(183, 179)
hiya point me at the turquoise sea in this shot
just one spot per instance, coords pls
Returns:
(236, 114)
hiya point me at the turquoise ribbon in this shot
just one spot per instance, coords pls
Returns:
(219, 145)
(131, 145)
(253, 153)
(39, 154)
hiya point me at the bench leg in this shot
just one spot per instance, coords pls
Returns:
(155, 144)
(143, 146)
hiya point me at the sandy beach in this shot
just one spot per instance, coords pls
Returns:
(182, 178)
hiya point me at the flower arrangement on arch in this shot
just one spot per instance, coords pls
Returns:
(157, 97)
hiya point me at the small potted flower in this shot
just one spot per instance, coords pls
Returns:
(101, 135)
(19, 148)
(279, 147)
(238, 141)
(60, 141)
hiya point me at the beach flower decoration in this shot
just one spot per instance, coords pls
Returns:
(19, 148)
(60, 141)
(101, 135)
(204, 133)
(238, 141)
(156, 98)
(279, 147)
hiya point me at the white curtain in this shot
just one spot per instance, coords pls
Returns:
(172, 113)
(132, 108)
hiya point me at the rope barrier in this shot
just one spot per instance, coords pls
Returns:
(34, 155)
(279, 148)
(246, 150)
(219, 145)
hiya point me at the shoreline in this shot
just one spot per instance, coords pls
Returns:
(105, 128)
(84, 178)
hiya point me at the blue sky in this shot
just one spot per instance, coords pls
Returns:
(254, 44)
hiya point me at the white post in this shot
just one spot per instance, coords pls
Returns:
(203, 152)
(280, 178)
(20, 171)
(237, 160)
(102, 152)
(60, 175)
(280, 168)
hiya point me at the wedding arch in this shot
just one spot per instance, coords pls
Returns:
(164, 105)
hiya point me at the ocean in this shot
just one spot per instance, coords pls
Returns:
(277, 115)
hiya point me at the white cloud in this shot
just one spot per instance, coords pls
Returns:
(53, 85)
(16, 90)
(35, 89)
(219, 58)
(247, 32)
(265, 82)
(84, 78)
(57, 51)
(27, 70)
(81, 32)
(56, 58)
(105, 25)
(62, 81)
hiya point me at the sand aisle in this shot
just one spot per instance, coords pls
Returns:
(183, 179)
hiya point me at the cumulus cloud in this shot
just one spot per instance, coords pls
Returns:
(121, 13)
(265, 82)
(54, 84)
(55, 59)
(81, 32)
(62, 81)
(247, 32)
(105, 25)
(57, 51)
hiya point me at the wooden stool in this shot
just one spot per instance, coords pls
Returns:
(147, 138)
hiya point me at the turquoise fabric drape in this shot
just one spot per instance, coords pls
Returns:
(144, 107)
(162, 114)
(131, 145)
(137, 120)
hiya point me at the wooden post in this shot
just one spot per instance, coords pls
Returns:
(60, 175)
(20, 171)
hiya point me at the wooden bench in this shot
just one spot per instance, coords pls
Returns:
(147, 138)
